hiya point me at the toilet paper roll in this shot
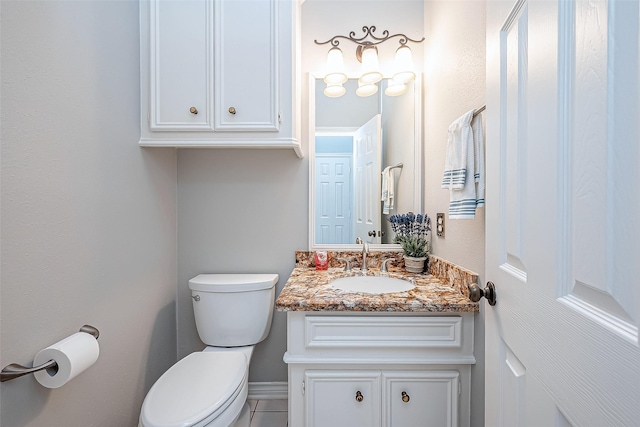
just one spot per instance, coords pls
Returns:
(73, 355)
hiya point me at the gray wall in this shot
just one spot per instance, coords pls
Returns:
(88, 218)
(454, 83)
(240, 211)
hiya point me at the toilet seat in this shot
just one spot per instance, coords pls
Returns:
(196, 390)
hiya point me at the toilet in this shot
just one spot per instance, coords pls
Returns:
(233, 312)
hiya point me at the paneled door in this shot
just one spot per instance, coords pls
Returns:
(334, 199)
(367, 179)
(563, 213)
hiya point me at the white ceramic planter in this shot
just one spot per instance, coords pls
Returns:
(414, 265)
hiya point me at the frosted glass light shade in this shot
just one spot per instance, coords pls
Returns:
(335, 67)
(334, 91)
(395, 88)
(370, 67)
(404, 65)
(366, 89)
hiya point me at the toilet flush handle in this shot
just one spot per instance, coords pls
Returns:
(196, 298)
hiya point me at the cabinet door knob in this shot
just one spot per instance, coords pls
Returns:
(405, 397)
(232, 110)
(359, 396)
(193, 110)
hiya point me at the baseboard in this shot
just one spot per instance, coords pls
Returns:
(268, 390)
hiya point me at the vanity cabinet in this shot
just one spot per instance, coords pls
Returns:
(379, 369)
(381, 398)
(219, 73)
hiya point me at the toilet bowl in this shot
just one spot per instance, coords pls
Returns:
(209, 388)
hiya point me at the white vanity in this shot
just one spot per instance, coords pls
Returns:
(394, 360)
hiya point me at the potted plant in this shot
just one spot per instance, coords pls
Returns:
(413, 234)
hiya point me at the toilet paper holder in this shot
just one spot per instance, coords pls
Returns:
(15, 370)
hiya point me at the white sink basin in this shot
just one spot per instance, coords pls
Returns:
(372, 284)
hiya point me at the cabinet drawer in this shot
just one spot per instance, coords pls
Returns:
(389, 332)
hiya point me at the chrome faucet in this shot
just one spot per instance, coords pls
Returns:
(365, 251)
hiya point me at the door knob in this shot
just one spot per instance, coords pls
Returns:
(489, 292)
(232, 110)
(193, 110)
(405, 397)
(371, 233)
(359, 396)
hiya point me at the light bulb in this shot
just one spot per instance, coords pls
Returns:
(395, 88)
(366, 89)
(404, 65)
(335, 67)
(370, 67)
(334, 91)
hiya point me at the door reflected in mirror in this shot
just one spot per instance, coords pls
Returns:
(365, 159)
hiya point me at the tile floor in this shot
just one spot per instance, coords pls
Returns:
(268, 413)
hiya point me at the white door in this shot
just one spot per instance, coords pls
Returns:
(333, 199)
(563, 213)
(180, 84)
(420, 398)
(342, 398)
(366, 180)
(246, 73)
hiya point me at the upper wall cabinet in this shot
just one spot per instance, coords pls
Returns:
(219, 73)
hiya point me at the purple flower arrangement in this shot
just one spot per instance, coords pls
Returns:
(412, 233)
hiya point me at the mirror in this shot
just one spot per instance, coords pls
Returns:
(352, 140)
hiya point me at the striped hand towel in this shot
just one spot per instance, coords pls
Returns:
(464, 166)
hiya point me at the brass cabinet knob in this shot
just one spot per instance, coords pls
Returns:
(232, 110)
(193, 110)
(359, 396)
(405, 397)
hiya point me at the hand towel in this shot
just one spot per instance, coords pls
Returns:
(464, 166)
(478, 156)
(388, 190)
(459, 145)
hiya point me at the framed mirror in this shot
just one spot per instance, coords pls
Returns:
(365, 156)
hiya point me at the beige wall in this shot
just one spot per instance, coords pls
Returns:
(454, 83)
(88, 218)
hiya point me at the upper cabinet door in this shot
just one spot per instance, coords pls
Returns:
(181, 59)
(246, 72)
(219, 73)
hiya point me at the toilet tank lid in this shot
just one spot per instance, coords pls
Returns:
(233, 282)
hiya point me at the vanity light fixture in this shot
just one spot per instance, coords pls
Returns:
(367, 54)
(370, 74)
(334, 90)
(396, 87)
(366, 89)
(335, 67)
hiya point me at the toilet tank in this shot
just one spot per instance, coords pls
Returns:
(233, 310)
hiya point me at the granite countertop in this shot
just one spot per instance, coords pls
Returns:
(308, 289)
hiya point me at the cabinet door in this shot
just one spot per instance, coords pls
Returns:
(342, 398)
(246, 42)
(430, 399)
(181, 65)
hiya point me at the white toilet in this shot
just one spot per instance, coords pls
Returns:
(233, 312)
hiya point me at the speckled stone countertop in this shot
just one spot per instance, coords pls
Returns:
(443, 289)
